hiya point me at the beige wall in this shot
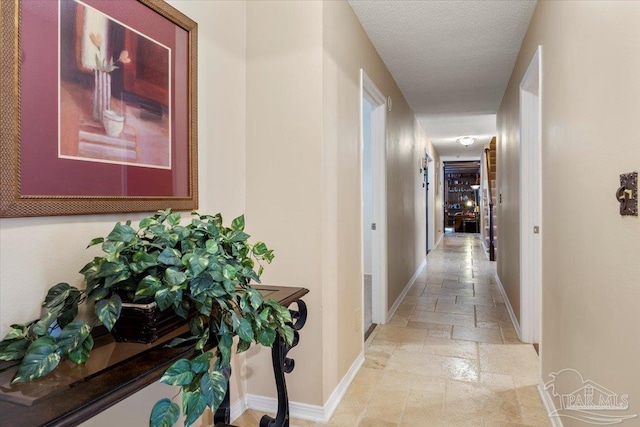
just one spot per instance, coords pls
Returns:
(508, 196)
(303, 154)
(347, 49)
(278, 140)
(40, 252)
(591, 261)
(284, 172)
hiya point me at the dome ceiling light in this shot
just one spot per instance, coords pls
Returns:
(466, 141)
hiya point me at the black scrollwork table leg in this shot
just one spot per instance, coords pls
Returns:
(281, 365)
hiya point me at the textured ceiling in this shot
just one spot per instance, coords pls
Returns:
(451, 59)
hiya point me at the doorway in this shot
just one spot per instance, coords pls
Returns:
(461, 202)
(531, 201)
(373, 204)
(425, 184)
(428, 214)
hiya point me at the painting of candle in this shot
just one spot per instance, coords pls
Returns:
(114, 91)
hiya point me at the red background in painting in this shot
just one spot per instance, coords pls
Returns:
(42, 172)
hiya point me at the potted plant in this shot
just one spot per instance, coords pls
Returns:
(201, 271)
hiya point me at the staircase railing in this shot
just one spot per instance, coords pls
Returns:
(492, 248)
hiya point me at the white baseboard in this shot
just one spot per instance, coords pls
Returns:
(338, 393)
(438, 242)
(238, 408)
(512, 315)
(485, 250)
(406, 289)
(547, 400)
(301, 411)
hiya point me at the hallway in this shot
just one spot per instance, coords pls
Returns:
(449, 356)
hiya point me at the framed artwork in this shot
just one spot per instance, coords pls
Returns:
(98, 107)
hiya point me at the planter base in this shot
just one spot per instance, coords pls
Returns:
(144, 323)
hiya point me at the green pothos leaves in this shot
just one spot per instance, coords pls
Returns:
(40, 359)
(202, 270)
(108, 310)
(164, 414)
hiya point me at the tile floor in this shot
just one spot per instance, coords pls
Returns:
(449, 356)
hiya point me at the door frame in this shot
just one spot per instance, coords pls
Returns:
(429, 204)
(531, 200)
(378, 166)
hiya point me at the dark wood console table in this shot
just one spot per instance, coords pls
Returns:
(72, 394)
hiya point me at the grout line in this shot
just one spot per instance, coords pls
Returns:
(478, 362)
(404, 407)
(475, 315)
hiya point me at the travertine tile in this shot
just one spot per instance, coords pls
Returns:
(508, 359)
(482, 402)
(376, 359)
(497, 382)
(509, 335)
(483, 335)
(449, 347)
(440, 333)
(403, 380)
(399, 321)
(373, 422)
(425, 302)
(535, 417)
(454, 284)
(414, 417)
(494, 423)
(387, 405)
(443, 318)
(346, 416)
(446, 299)
(455, 368)
(380, 345)
(426, 399)
(440, 290)
(400, 334)
(479, 300)
(441, 361)
(461, 308)
(497, 314)
(528, 396)
(488, 325)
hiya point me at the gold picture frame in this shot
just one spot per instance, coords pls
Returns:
(37, 184)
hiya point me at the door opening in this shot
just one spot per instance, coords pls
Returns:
(531, 201)
(426, 207)
(367, 217)
(373, 204)
(425, 184)
(461, 210)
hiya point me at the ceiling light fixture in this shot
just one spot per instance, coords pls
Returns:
(466, 141)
